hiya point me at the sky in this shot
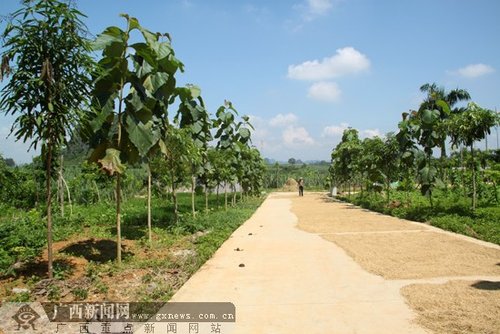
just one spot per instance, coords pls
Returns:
(305, 70)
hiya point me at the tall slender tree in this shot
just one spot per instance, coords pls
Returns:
(133, 88)
(46, 43)
(435, 94)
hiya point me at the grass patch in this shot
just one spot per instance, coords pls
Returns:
(450, 212)
(86, 250)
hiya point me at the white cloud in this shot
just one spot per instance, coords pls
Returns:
(281, 120)
(293, 135)
(338, 131)
(324, 91)
(334, 130)
(474, 70)
(370, 133)
(346, 61)
(319, 7)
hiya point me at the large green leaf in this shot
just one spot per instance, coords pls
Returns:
(143, 50)
(111, 162)
(108, 36)
(244, 133)
(430, 117)
(143, 136)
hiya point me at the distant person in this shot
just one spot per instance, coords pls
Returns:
(301, 187)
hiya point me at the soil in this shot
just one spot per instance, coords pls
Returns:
(73, 259)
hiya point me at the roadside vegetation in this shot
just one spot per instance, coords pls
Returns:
(315, 174)
(132, 165)
(401, 176)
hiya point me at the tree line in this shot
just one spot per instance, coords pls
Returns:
(405, 159)
(120, 105)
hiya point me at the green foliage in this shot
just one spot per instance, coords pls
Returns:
(314, 174)
(450, 212)
(145, 72)
(50, 77)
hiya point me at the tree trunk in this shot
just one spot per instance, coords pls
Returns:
(118, 220)
(174, 198)
(474, 199)
(206, 197)
(193, 188)
(49, 211)
(69, 196)
(60, 189)
(217, 196)
(225, 196)
(234, 196)
(462, 171)
(150, 237)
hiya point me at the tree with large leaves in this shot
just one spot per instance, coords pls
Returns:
(133, 87)
(178, 151)
(427, 127)
(230, 134)
(50, 81)
(435, 94)
(193, 116)
(345, 158)
(473, 124)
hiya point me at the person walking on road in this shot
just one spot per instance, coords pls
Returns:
(301, 187)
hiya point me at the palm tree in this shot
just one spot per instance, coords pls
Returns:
(436, 93)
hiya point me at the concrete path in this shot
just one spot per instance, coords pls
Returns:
(295, 282)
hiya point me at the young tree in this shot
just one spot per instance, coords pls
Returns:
(50, 82)
(193, 115)
(469, 126)
(435, 94)
(132, 91)
(230, 134)
(177, 150)
(345, 158)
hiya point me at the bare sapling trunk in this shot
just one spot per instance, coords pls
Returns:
(474, 195)
(234, 195)
(193, 189)
(150, 238)
(69, 196)
(174, 198)
(118, 220)
(225, 196)
(60, 189)
(218, 195)
(49, 211)
(206, 197)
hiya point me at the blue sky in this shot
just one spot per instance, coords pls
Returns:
(306, 69)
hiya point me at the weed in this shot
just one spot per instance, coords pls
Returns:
(80, 293)
(53, 292)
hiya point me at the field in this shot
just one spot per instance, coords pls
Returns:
(85, 248)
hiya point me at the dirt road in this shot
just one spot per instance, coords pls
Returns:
(309, 265)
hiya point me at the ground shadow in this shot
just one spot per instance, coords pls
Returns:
(39, 268)
(99, 251)
(486, 285)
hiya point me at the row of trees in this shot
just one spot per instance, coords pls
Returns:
(407, 156)
(119, 104)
